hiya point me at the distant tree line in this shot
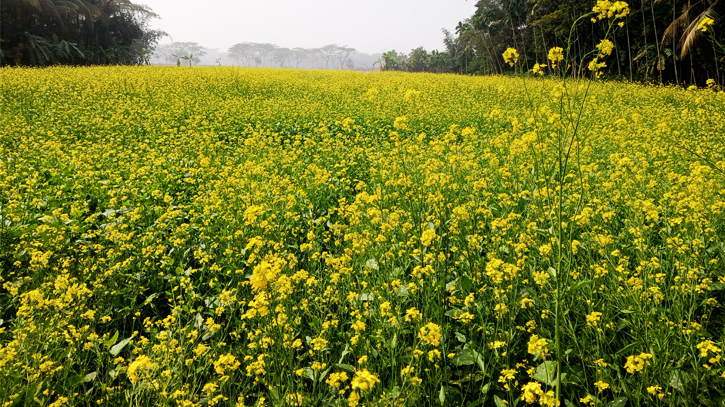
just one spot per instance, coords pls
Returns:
(174, 53)
(253, 54)
(419, 60)
(250, 54)
(75, 32)
(668, 41)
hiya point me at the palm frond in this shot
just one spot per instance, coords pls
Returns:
(32, 3)
(692, 33)
(677, 25)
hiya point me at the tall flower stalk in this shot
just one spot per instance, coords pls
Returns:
(571, 109)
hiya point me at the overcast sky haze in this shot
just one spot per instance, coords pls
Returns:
(370, 26)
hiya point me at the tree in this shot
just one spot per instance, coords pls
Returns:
(328, 52)
(172, 53)
(298, 55)
(418, 60)
(79, 32)
(342, 54)
(534, 27)
(281, 56)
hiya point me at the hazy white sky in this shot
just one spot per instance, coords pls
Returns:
(370, 26)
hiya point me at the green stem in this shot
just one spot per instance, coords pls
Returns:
(557, 320)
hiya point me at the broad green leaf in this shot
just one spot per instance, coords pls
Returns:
(111, 340)
(464, 357)
(116, 349)
(678, 380)
(546, 373)
(580, 284)
(618, 402)
(308, 373)
(452, 312)
(625, 350)
(274, 395)
(32, 391)
(451, 284)
(486, 388)
(466, 283)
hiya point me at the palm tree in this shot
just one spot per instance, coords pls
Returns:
(688, 21)
(55, 9)
(687, 24)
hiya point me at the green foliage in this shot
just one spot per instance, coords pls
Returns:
(78, 32)
(660, 43)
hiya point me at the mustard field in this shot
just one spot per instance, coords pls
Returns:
(268, 237)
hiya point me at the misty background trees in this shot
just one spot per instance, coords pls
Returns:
(661, 40)
(173, 53)
(76, 32)
(251, 54)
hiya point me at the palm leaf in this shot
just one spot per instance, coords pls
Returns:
(692, 34)
(678, 24)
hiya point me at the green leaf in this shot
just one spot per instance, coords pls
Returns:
(116, 349)
(372, 264)
(466, 283)
(552, 271)
(546, 373)
(479, 361)
(451, 284)
(452, 312)
(324, 374)
(467, 356)
(307, 373)
(345, 352)
(274, 395)
(628, 348)
(345, 367)
(499, 402)
(442, 395)
(486, 388)
(678, 380)
(112, 340)
(31, 392)
(618, 402)
(464, 357)
(580, 284)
